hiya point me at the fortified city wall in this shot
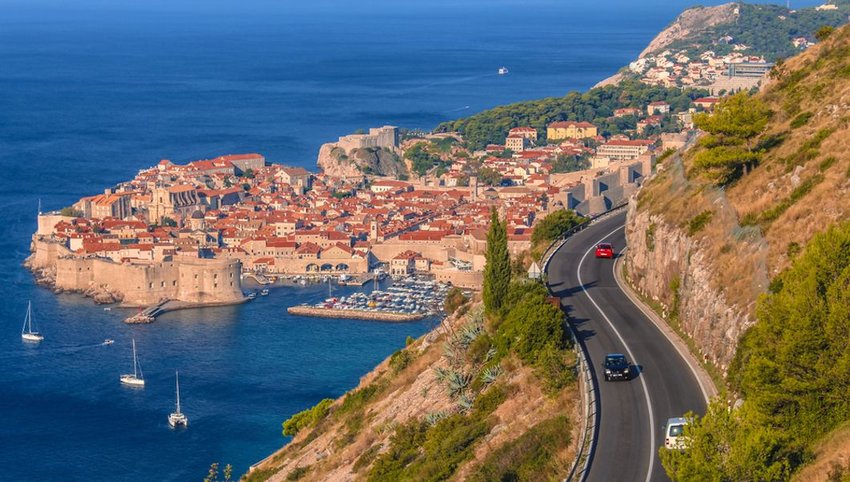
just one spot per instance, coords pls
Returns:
(191, 280)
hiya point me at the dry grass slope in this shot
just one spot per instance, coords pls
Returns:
(801, 186)
(345, 444)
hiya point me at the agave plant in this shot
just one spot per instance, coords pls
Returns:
(477, 315)
(441, 374)
(464, 403)
(457, 383)
(490, 374)
(490, 354)
(432, 418)
(468, 333)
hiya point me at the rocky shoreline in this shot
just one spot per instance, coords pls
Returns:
(46, 277)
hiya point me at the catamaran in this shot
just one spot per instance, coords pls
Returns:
(27, 332)
(178, 418)
(136, 379)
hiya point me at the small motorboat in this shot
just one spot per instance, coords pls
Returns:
(264, 292)
(108, 341)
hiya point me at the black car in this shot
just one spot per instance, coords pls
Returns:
(616, 367)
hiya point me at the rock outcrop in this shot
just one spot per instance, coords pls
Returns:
(689, 23)
(667, 266)
(334, 160)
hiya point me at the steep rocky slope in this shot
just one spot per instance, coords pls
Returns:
(417, 388)
(690, 23)
(335, 161)
(705, 253)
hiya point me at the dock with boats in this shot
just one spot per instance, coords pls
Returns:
(407, 300)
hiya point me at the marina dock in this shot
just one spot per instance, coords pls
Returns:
(354, 314)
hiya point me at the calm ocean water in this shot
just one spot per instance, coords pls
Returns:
(89, 95)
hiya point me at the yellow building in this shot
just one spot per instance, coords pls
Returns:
(570, 130)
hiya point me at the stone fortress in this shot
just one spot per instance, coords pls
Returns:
(187, 279)
(378, 137)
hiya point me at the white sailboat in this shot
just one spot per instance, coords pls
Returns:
(178, 418)
(136, 379)
(27, 332)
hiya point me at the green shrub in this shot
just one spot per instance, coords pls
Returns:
(532, 456)
(698, 222)
(307, 418)
(298, 473)
(70, 211)
(650, 237)
(801, 120)
(827, 163)
(554, 225)
(792, 368)
(357, 399)
(454, 299)
(420, 451)
(400, 360)
(366, 457)
(804, 188)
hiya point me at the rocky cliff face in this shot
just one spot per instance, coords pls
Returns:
(667, 266)
(336, 161)
(689, 23)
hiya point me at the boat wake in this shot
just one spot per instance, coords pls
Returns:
(457, 80)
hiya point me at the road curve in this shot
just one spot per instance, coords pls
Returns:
(630, 414)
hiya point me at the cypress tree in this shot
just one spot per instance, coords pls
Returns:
(497, 272)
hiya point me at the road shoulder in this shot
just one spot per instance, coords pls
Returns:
(706, 383)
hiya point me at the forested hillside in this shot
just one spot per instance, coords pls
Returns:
(766, 29)
(596, 106)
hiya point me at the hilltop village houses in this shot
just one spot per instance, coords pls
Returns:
(732, 72)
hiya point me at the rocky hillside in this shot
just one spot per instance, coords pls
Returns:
(741, 241)
(689, 24)
(706, 252)
(452, 405)
(335, 161)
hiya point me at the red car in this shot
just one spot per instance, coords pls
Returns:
(604, 250)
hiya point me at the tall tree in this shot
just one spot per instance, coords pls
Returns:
(497, 272)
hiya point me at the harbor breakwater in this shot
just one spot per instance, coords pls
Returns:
(354, 314)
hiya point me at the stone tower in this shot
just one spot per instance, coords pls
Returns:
(373, 232)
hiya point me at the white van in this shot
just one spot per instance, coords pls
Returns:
(673, 433)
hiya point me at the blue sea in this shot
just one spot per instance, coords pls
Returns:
(91, 91)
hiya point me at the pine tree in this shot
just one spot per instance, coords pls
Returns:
(497, 272)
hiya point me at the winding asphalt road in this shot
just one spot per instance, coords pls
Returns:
(630, 414)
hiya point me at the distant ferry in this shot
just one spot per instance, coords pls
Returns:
(503, 70)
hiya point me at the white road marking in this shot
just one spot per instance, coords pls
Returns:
(629, 351)
(685, 356)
